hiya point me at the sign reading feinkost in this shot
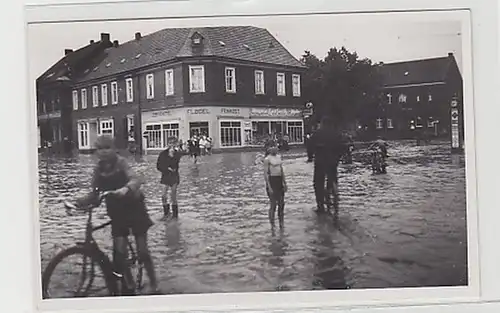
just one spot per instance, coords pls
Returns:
(269, 112)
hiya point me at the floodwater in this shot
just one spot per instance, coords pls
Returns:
(403, 229)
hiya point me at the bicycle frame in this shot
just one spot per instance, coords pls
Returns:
(110, 274)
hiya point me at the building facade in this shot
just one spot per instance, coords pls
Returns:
(54, 95)
(417, 98)
(234, 84)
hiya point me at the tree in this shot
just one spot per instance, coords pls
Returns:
(342, 85)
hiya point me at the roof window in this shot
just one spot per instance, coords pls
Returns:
(122, 61)
(247, 47)
(138, 56)
(108, 65)
(222, 43)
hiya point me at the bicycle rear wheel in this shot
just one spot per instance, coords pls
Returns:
(136, 267)
(89, 265)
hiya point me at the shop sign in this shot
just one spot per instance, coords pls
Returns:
(454, 116)
(200, 111)
(247, 125)
(269, 112)
(161, 113)
(227, 111)
(455, 141)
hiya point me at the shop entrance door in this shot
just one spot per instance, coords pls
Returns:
(198, 128)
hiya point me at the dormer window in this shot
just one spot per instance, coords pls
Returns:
(196, 39)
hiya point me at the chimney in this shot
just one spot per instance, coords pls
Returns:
(105, 37)
(138, 36)
(116, 43)
(67, 51)
(450, 54)
(92, 41)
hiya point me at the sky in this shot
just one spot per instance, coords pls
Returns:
(386, 37)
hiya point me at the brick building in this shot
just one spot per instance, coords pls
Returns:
(417, 97)
(54, 95)
(236, 84)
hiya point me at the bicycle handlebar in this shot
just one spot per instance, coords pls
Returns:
(71, 206)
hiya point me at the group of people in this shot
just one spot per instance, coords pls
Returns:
(126, 203)
(196, 146)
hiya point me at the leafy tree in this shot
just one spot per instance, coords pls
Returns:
(342, 85)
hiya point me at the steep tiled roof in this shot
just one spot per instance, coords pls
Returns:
(68, 67)
(416, 72)
(246, 43)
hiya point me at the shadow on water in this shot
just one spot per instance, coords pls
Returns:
(329, 269)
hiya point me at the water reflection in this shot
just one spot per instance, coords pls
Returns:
(329, 270)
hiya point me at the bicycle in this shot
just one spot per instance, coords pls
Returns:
(89, 250)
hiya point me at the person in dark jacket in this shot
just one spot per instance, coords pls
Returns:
(168, 165)
(328, 147)
(125, 207)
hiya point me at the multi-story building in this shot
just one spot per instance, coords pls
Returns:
(235, 84)
(54, 94)
(417, 97)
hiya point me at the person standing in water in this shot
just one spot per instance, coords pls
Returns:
(168, 165)
(276, 187)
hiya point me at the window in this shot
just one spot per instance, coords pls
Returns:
(169, 82)
(114, 93)
(158, 134)
(230, 79)
(95, 96)
(389, 98)
(84, 98)
(418, 98)
(402, 98)
(280, 84)
(295, 132)
(196, 78)
(230, 134)
(379, 124)
(130, 89)
(83, 135)
(150, 86)
(130, 128)
(418, 124)
(75, 100)
(104, 94)
(259, 82)
(296, 85)
(389, 123)
(107, 127)
(430, 97)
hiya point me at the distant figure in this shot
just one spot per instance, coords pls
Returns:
(275, 186)
(168, 165)
(194, 148)
(309, 148)
(209, 145)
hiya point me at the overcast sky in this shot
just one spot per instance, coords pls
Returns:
(386, 37)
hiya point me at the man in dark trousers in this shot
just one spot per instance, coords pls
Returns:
(168, 165)
(328, 147)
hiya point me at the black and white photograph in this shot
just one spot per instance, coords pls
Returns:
(252, 154)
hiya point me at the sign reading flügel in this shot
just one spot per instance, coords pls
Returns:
(198, 111)
(268, 112)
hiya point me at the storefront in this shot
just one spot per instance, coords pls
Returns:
(229, 127)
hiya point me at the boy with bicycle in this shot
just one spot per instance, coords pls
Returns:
(125, 207)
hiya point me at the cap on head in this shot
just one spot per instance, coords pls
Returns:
(105, 142)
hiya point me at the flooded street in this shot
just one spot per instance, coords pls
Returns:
(403, 229)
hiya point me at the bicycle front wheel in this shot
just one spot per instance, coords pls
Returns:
(75, 272)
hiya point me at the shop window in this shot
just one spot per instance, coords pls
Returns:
(158, 134)
(230, 133)
(295, 132)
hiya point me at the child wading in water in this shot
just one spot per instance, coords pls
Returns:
(125, 207)
(275, 186)
(168, 165)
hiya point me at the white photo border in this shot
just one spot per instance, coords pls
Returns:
(318, 300)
